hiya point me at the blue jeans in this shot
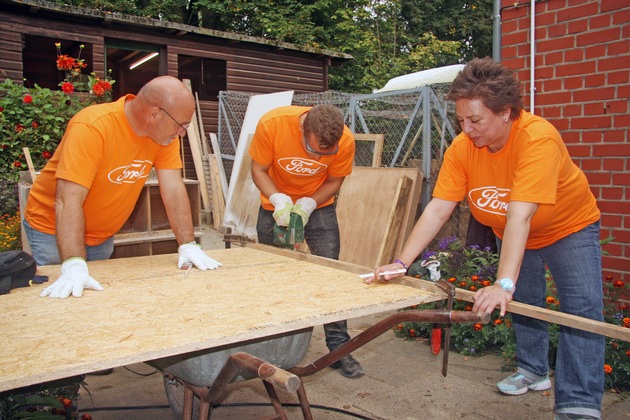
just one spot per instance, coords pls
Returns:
(576, 266)
(322, 237)
(44, 247)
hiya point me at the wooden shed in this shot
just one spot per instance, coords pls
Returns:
(214, 61)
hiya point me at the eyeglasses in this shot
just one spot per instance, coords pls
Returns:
(310, 149)
(184, 126)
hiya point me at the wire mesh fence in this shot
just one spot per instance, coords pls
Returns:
(399, 116)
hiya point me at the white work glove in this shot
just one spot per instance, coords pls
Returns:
(74, 278)
(304, 207)
(282, 204)
(192, 253)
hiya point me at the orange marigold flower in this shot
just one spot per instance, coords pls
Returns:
(86, 417)
(486, 283)
(412, 333)
(498, 321)
(66, 402)
(477, 327)
(551, 300)
(609, 277)
(474, 278)
(626, 322)
(468, 308)
(607, 369)
(462, 284)
(619, 284)
(472, 288)
(452, 280)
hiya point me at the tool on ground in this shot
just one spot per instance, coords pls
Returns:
(291, 236)
(386, 273)
(436, 333)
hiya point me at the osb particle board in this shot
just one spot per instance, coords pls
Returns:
(150, 309)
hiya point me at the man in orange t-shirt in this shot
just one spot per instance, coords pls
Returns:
(300, 157)
(89, 188)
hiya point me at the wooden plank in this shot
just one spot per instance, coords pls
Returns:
(363, 218)
(216, 149)
(243, 199)
(195, 148)
(394, 222)
(150, 309)
(377, 140)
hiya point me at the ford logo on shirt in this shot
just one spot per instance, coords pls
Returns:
(301, 166)
(129, 174)
(490, 199)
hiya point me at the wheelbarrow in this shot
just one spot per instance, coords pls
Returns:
(274, 360)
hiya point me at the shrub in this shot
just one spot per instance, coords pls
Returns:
(472, 268)
(10, 235)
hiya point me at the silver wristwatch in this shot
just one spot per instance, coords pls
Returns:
(506, 284)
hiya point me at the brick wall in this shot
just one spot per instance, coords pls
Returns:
(582, 86)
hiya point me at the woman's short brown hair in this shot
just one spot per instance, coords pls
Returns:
(486, 80)
(326, 123)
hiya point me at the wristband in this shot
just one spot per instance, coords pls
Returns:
(401, 263)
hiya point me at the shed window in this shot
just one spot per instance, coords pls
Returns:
(207, 76)
(39, 56)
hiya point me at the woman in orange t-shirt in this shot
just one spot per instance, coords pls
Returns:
(518, 178)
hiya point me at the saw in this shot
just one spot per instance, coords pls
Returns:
(290, 236)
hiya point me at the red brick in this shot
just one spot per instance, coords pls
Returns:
(593, 80)
(577, 26)
(581, 151)
(612, 193)
(621, 16)
(611, 150)
(623, 91)
(551, 112)
(621, 179)
(598, 37)
(508, 52)
(553, 58)
(552, 85)
(571, 3)
(589, 123)
(575, 54)
(545, 18)
(621, 121)
(614, 164)
(541, 32)
(515, 38)
(556, 44)
(611, 220)
(599, 21)
(594, 108)
(611, 5)
(615, 263)
(594, 51)
(576, 82)
(591, 164)
(617, 107)
(622, 236)
(615, 136)
(553, 98)
(614, 63)
(619, 48)
(592, 136)
(556, 30)
(603, 93)
(508, 26)
(524, 51)
(598, 178)
(588, 9)
(574, 69)
(514, 64)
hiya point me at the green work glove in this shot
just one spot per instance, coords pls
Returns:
(304, 207)
(282, 205)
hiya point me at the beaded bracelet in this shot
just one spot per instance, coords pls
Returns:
(401, 263)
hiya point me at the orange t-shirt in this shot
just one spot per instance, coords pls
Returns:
(278, 142)
(99, 151)
(534, 166)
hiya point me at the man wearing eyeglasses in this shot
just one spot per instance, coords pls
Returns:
(300, 157)
(90, 186)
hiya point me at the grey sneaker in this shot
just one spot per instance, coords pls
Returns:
(350, 368)
(518, 384)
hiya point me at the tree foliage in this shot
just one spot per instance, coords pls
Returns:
(387, 38)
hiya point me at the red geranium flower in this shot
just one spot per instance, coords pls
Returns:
(67, 87)
(46, 154)
(35, 124)
(17, 164)
(628, 353)
(27, 99)
(1, 109)
(619, 284)
(19, 128)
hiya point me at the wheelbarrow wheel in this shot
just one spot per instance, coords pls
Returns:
(175, 395)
